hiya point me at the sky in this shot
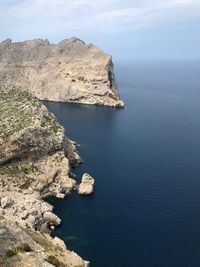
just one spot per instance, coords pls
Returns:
(127, 29)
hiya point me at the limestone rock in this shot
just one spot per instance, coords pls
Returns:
(86, 186)
(70, 71)
(2, 212)
(31, 221)
(86, 178)
(51, 218)
(35, 248)
(59, 242)
(6, 202)
(44, 228)
(60, 195)
(33, 147)
(35, 162)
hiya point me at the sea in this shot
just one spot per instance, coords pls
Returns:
(145, 159)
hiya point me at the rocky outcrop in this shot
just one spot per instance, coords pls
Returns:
(23, 247)
(35, 162)
(33, 146)
(70, 71)
(86, 186)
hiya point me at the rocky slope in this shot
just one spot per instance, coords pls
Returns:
(35, 162)
(24, 247)
(70, 71)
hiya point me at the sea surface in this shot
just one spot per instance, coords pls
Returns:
(145, 159)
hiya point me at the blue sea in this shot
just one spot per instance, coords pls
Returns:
(145, 159)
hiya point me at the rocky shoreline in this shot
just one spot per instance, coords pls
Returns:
(35, 162)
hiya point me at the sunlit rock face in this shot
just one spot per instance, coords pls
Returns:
(33, 145)
(70, 71)
(35, 162)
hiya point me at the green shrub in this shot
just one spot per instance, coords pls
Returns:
(13, 251)
(54, 261)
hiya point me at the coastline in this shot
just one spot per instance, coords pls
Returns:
(33, 168)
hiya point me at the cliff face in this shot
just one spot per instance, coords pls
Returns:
(35, 162)
(70, 71)
(24, 247)
(32, 141)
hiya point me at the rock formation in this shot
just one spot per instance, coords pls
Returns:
(70, 71)
(35, 162)
(86, 186)
(24, 247)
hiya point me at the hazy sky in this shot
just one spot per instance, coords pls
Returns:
(136, 29)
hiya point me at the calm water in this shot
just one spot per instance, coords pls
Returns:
(146, 163)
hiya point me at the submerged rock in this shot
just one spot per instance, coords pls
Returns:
(86, 186)
(70, 71)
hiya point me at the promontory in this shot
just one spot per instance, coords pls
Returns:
(36, 156)
(70, 71)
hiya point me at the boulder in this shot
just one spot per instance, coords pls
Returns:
(31, 220)
(69, 184)
(44, 228)
(60, 195)
(2, 212)
(6, 202)
(24, 214)
(51, 218)
(40, 187)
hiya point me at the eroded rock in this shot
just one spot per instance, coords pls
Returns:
(86, 186)
(32, 248)
(70, 71)
(6, 202)
(51, 218)
(35, 162)
(34, 150)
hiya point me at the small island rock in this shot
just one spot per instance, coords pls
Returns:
(86, 187)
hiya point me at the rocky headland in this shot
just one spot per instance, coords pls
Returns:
(35, 162)
(70, 71)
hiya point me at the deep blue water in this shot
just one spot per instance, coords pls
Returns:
(146, 163)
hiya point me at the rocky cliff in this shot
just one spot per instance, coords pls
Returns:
(35, 162)
(70, 71)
